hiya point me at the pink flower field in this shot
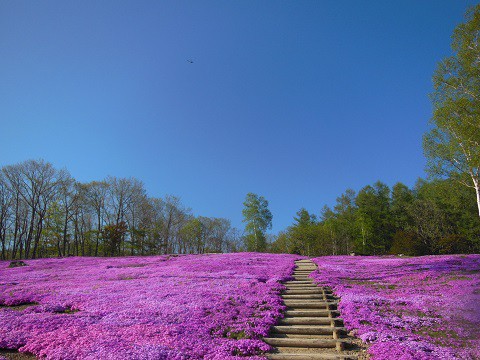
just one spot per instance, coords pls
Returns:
(409, 308)
(219, 306)
(186, 307)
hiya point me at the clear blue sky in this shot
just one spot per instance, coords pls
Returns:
(293, 100)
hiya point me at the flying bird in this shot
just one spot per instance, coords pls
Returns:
(190, 61)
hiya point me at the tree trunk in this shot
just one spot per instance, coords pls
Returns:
(36, 241)
(2, 236)
(65, 230)
(476, 185)
(28, 240)
(99, 230)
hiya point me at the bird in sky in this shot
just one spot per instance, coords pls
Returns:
(190, 61)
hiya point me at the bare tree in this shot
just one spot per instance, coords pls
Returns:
(95, 194)
(6, 200)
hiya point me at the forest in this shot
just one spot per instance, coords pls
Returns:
(44, 212)
(434, 217)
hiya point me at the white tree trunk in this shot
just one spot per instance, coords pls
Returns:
(477, 192)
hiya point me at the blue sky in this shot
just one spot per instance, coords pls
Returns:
(293, 100)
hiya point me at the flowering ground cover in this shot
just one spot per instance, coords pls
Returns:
(187, 307)
(409, 308)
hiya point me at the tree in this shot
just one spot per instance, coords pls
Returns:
(113, 235)
(452, 146)
(402, 198)
(95, 194)
(374, 219)
(303, 233)
(258, 219)
(6, 200)
(342, 223)
(37, 183)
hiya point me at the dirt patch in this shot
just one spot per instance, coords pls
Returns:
(17, 263)
(18, 307)
(16, 355)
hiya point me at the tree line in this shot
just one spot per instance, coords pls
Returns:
(434, 217)
(45, 212)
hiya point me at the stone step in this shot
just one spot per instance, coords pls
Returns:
(305, 275)
(304, 342)
(302, 336)
(300, 274)
(311, 313)
(303, 278)
(311, 356)
(305, 321)
(301, 296)
(307, 288)
(304, 268)
(307, 330)
(309, 304)
(298, 291)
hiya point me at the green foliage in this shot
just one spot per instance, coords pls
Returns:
(258, 219)
(452, 145)
(112, 236)
(193, 233)
(454, 244)
(374, 219)
(303, 233)
(436, 217)
(407, 243)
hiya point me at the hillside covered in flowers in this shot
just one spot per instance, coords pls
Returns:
(420, 308)
(161, 307)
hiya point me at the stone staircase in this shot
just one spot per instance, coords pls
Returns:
(311, 328)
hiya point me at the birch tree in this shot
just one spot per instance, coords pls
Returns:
(452, 146)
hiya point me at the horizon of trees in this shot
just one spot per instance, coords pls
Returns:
(45, 212)
(434, 217)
